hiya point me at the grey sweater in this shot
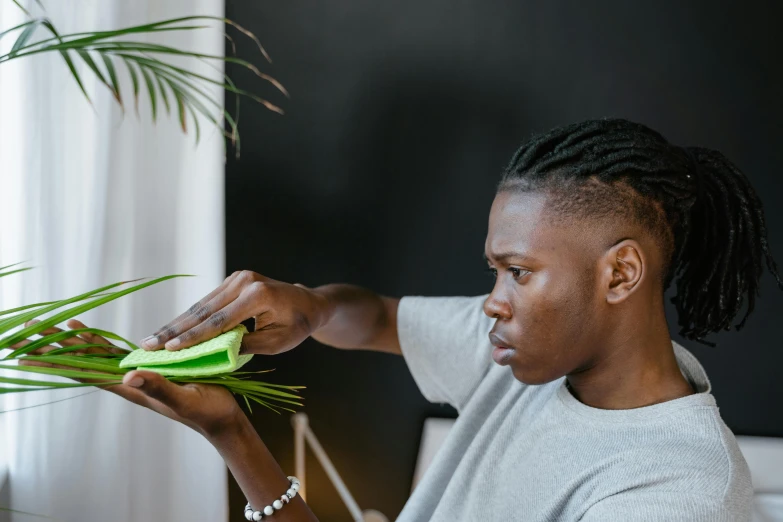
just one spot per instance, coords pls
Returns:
(535, 453)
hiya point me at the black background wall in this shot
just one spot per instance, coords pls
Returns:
(381, 173)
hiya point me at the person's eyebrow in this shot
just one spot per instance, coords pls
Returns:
(505, 255)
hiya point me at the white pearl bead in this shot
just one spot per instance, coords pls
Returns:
(257, 516)
(295, 487)
(277, 504)
(249, 514)
(268, 510)
(291, 493)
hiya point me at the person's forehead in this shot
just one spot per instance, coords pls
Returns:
(519, 222)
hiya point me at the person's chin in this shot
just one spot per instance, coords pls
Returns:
(528, 375)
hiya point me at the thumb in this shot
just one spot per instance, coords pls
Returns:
(156, 386)
(266, 342)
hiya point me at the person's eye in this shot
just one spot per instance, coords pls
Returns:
(518, 272)
(492, 271)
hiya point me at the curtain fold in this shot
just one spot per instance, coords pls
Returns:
(91, 197)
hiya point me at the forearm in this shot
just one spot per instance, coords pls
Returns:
(257, 472)
(359, 318)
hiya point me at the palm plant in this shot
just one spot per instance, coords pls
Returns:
(146, 63)
(101, 368)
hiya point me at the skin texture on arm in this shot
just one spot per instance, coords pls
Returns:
(359, 318)
(256, 470)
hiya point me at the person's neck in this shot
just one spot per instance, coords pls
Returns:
(641, 370)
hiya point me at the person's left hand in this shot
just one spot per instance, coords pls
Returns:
(207, 408)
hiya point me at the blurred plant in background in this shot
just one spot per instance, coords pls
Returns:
(106, 53)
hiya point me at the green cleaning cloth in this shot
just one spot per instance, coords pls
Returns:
(217, 355)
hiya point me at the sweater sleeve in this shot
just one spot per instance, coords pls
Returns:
(672, 506)
(445, 343)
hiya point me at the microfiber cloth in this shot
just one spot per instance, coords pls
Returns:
(217, 355)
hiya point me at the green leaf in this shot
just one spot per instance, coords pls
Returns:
(12, 322)
(77, 310)
(13, 264)
(94, 67)
(75, 74)
(76, 361)
(40, 384)
(181, 109)
(151, 90)
(16, 28)
(163, 95)
(9, 510)
(60, 336)
(27, 307)
(60, 372)
(68, 349)
(135, 80)
(21, 7)
(14, 271)
(23, 37)
(69, 62)
(115, 84)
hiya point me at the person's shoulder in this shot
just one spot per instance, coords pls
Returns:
(697, 443)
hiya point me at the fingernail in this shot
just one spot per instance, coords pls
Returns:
(136, 382)
(150, 341)
(172, 344)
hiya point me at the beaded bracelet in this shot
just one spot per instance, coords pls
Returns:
(251, 514)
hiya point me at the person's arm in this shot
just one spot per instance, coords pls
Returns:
(343, 316)
(359, 318)
(256, 470)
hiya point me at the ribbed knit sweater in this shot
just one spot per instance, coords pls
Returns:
(535, 453)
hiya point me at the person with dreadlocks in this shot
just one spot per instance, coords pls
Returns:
(591, 412)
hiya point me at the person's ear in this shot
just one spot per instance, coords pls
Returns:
(624, 268)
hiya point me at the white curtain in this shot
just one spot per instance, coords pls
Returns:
(91, 198)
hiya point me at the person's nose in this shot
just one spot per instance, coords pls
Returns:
(496, 307)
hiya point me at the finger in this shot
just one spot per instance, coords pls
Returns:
(273, 338)
(244, 306)
(94, 338)
(37, 351)
(74, 340)
(267, 342)
(202, 313)
(27, 362)
(211, 303)
(157, 387)
(137, 396)
(68, 341)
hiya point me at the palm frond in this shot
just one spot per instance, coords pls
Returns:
(102, 369)
(153, 62)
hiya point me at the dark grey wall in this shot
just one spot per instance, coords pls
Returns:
(381, 173)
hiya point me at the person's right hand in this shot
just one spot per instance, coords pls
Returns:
(285, 315)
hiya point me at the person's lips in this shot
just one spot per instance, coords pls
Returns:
(502, 351)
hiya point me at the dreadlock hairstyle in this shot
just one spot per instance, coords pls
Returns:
(695, 202)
